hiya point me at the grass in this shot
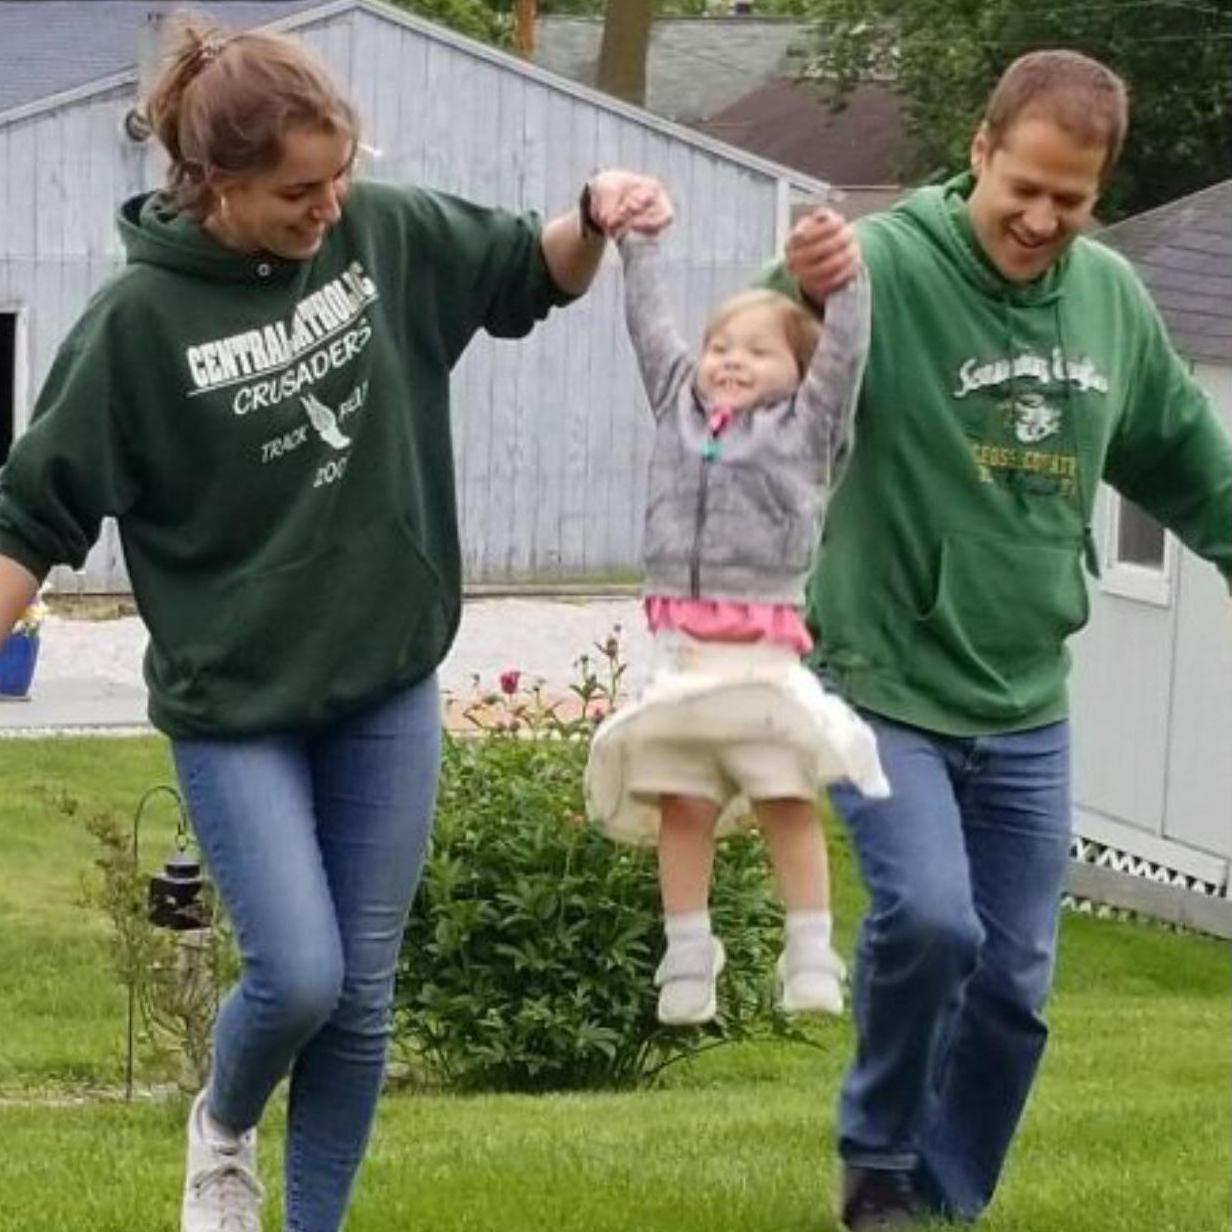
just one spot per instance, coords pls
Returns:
(1128, 1129)
(63, 1012)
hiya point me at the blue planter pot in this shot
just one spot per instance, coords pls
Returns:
(18, 655)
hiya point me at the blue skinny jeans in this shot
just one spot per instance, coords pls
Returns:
(316, 843)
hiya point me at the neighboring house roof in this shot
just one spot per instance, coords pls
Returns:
(47, 46)
(292, 14)
(695, 67)
(1183, 252)
(792, 123)
(734, 78)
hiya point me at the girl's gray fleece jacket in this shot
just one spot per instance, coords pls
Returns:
(741, 523)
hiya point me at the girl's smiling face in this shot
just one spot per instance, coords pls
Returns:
(747, 359)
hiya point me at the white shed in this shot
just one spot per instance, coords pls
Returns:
(551, 435)
(1152, 684)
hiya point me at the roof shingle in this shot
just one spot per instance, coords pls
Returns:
(47, 46)
(695, 66)
(1183, 252)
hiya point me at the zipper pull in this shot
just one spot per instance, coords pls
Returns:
(710, 449)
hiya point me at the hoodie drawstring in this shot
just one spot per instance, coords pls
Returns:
(1090, 553)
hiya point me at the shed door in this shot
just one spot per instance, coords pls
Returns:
(1123, 673)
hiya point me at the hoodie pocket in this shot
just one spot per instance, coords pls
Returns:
(993, 638)
(299, 643)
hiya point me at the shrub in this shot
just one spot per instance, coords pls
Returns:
(529, 959)
(174, 981)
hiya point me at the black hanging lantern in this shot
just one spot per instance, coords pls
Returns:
(177, 898)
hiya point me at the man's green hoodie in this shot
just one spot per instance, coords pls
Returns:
(951, 567)
(274, 439)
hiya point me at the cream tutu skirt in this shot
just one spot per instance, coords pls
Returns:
(715, 693)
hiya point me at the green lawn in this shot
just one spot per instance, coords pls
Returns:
(1128, 1129)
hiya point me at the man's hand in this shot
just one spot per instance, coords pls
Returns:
(623, 201)
(822, 254)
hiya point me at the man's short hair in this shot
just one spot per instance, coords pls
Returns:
(1083, 97)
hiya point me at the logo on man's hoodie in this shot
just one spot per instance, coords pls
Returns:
(1030, 417)
(1018, 439)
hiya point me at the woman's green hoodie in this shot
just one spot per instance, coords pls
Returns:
(274, 439)
(951, 567)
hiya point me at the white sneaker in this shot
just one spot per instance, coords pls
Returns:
(811, 982)
(686, 979)
(221, 1190)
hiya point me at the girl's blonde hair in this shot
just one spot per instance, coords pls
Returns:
(800, 327)
(225, 102)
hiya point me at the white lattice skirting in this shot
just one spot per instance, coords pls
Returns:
(1099, 855)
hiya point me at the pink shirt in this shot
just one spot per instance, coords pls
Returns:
(729, 620)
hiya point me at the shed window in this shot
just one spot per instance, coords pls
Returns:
(1141, 540)
(1138, 555)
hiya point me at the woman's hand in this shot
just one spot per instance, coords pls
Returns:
(624, 201)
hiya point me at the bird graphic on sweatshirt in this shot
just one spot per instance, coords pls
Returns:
(325, 422)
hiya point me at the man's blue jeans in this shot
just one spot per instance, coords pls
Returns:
(964, 865)
(316, 843)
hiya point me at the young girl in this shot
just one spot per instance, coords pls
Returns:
(748, 442)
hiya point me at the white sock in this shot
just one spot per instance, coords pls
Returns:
(807, 932)
(686, 926)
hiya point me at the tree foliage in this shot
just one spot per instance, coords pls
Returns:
(946, 56)
(487, 22)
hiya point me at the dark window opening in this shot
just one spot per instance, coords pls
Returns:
(8, 382)
(1140, 539)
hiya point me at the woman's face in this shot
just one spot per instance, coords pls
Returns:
(288, 209)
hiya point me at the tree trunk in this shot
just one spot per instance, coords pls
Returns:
(524, 14)
(622, 54)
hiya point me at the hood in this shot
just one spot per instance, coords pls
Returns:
(154, 232)
(941, 213)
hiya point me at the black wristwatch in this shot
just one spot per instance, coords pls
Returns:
(589, 226)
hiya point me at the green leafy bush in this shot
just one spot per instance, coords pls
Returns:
(528, 963)
(174, 980)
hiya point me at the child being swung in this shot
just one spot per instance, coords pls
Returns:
(748, 442)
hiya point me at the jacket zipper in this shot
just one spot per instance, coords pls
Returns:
(695, 557)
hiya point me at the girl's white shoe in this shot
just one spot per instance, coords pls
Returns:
(686, 979)
(810, 982)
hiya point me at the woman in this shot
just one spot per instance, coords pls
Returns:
(261, 399)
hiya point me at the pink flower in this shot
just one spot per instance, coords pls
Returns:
(509, 681)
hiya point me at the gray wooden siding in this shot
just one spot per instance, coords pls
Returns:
(62, 173)
(551, 434)
(1198, 809)
(1152, 700)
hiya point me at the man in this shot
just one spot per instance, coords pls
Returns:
(1014, 365)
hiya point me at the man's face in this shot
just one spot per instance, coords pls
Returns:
(1034, 193)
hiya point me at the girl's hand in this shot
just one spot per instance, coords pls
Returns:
(623, 201)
